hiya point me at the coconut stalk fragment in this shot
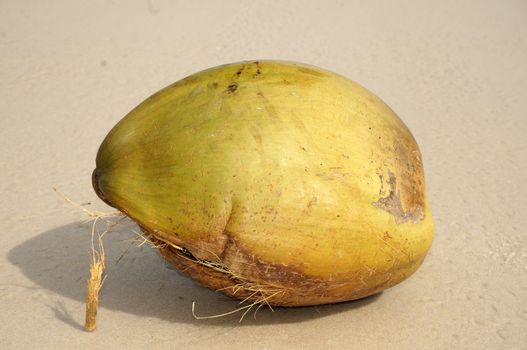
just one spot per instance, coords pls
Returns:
(273, 182)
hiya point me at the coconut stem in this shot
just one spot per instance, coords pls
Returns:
(94, 283)
(92, 296)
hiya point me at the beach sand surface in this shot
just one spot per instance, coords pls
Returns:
(455, 72)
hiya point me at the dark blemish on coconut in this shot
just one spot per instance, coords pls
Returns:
(103, 63)
(215, 85)
(187, 254)
(170, 220)
(240, 71)
(303, 148)
(231, 88)
(258, 69)
(312, 202)
(257, 138)
(381, 191)
(393, 204)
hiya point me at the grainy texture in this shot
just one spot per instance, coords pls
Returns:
(454, 71)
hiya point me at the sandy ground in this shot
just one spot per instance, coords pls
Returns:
(456, 73)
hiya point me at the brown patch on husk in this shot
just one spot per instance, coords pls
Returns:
(244, 276)
(394, 205)
(406, 198)
(411, 183)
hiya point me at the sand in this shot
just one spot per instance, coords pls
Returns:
(454, 71)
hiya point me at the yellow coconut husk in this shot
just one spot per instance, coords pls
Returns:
(272, 181)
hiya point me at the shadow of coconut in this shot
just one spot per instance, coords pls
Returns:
(138, 280)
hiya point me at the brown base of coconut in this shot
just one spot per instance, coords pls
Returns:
(290, 289)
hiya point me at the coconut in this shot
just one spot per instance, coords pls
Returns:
(273, 182)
